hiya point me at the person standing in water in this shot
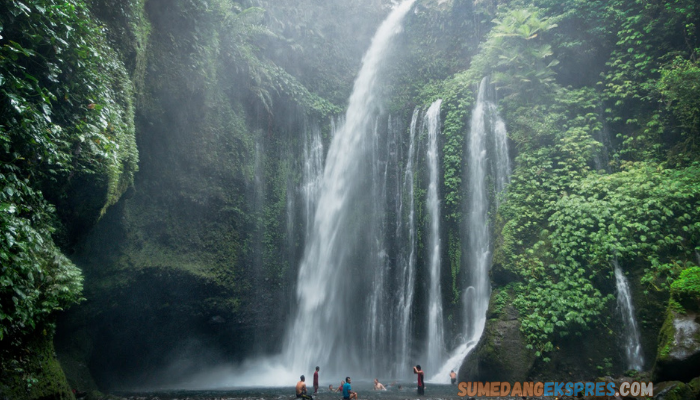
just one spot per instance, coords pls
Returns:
(316, 380)
(453, 377)
(301, 389)
(421, 375)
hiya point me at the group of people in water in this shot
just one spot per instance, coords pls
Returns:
(346, 388)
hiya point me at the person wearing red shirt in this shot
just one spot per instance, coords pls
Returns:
(316, 380)
(421, 375)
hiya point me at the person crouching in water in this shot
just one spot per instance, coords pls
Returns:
(301, 389)
(347, 390)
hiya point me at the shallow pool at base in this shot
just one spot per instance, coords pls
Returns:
(364, 390)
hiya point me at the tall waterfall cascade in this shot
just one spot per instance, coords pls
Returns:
(487, 155)
(632, 344)
(435, 350)
(361, 309)
(406, 239)
(340, 301)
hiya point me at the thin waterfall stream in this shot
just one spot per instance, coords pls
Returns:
(435, 350)
(312, 173)
(406, 236)
(487, 154)
(632, 345)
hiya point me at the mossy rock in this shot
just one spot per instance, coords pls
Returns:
(501, 354)
(673, 390)
(694, 386)
(33, 372)
(678, 355)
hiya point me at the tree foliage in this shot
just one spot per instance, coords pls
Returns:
(579, 199)
(65, 111)
(516, 53)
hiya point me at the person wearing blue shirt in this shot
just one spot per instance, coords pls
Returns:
(347, 390)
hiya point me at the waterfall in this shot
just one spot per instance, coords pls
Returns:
(436, 347)
(502, 167)
(633, 347)
(377, 323)
(601, 158)
(406, 238)
(484, 121)
(342, 252)
(312, 173)
(487, 155)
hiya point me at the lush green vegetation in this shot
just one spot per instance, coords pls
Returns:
(66, 126)
(573, 205)
(685, 290)
(66, 112)
(600, 100)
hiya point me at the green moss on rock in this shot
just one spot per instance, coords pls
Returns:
(673, 390)
(686, 289)
(33, 371)
(679, 346)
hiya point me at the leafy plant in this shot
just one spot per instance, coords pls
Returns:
(65, 111)
(516, 53)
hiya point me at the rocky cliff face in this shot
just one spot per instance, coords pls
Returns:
(196, 264)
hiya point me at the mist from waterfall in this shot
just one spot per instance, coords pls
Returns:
(487, 156)
(633, 347)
